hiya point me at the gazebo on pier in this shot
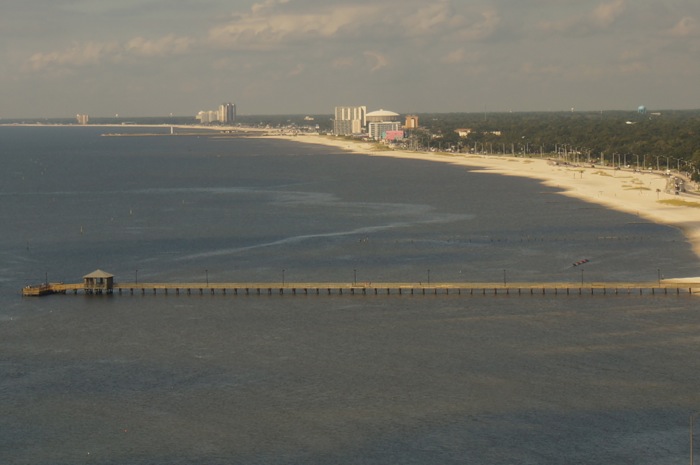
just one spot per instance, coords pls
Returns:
(98, 282)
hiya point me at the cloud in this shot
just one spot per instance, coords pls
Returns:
(263, 28)
(377, 60)
(460, 56)
(606, 13)
(344, 28)
(454, 57)
(686, 27)
(93, 53)
(274, 24)
(486, 26)
(571, 73)
(428, 19)
(77, 55)
(267, 5)
(601, 17)
(168, 45)
(342, 63)
(296, 71)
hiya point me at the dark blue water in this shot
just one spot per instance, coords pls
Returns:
(330, 379)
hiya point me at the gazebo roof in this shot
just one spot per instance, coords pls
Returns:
(99, 274)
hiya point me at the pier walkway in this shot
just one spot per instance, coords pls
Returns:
(662, 287)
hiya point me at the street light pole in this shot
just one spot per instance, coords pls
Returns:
(283, 277)
(692, 426)
(206, 272)
(136, 278)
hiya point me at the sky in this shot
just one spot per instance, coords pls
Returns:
(157, 57)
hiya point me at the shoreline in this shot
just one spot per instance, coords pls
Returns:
(639, 193)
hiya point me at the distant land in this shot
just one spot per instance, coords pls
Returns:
(245, 120)
(646, 139)
(324, 121)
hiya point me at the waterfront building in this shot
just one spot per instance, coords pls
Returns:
(411, 122)
(98, 282)
(381, 116)
(379, 130)
(381, 122)
(227, 113)
(394, 135)
(82, 119)
(349, 120)
(208, 116)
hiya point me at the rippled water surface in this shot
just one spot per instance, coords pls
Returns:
(144, 379)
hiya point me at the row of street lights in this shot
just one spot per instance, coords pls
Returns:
(354, 277)
(354, 281)
(136, 276)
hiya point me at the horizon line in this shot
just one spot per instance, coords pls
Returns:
(331, 114)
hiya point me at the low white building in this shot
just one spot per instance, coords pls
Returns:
(378, 131)
(382, 121)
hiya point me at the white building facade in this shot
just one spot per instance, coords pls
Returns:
(226, 113)
(382, 121)
(378, 130)
(349, 120)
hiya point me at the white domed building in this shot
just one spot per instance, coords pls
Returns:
(383, 124)
(380, 116)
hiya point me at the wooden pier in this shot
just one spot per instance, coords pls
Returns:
(663, 287)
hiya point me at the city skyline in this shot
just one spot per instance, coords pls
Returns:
(153, 57)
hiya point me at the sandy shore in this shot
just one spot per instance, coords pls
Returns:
(639, 193)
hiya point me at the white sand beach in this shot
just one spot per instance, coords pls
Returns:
(640, 193)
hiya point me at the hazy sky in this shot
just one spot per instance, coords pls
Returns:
(155, 57)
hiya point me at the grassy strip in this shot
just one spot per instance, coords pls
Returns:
(680, 203)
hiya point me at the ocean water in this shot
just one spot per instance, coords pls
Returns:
(144, 379)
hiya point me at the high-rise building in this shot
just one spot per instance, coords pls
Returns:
(208, 116)
(82, 119)
(411, 122)
(349, 120)
(227, 113)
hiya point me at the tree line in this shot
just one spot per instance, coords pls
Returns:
(663, 138)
